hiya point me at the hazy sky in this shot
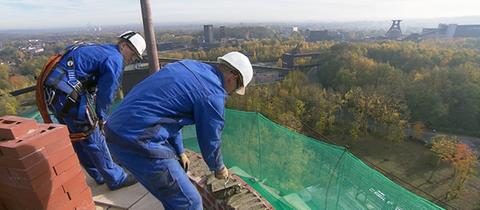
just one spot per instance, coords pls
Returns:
(22, 14)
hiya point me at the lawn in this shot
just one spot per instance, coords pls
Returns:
(410, 161)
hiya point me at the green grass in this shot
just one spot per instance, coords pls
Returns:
(413, 162)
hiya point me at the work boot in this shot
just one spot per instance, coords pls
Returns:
(100, 182)
(129, 180)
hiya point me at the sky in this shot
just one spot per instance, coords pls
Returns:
(38, 14)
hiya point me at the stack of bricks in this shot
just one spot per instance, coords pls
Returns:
(39, 168)
(220, 195)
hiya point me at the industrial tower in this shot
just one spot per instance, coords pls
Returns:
(394, 32)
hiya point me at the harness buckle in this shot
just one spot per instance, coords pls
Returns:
(78, 87)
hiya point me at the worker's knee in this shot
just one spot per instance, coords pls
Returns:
(196, 201)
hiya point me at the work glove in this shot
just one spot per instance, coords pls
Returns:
(101, 126)
(222, 173)
(184, 161)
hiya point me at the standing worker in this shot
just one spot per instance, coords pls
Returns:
(144, 132)
(77, 87)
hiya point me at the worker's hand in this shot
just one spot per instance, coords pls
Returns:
(184, 161)
(222, 173)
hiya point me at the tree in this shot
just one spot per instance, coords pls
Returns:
(32, 67)
(418, 129)
(444, 147)
(8, 104)
(462, 158)
(4, 75)
(464, 162)
(375, 113)
(289, 120)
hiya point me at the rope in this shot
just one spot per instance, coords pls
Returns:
(331, 175)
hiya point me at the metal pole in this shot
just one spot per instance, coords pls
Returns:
(149, 36)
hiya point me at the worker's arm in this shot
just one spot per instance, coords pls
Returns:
(107, 86)
(209, 121)
(177, 142)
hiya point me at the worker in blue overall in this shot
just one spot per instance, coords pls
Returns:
(78, 91)
(144, 132)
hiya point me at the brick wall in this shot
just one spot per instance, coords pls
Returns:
(39, 168)
(218, 195)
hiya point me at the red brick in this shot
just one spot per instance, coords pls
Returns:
(64, 206)
(34, 157)
(90, 206)
(44, 135)
(76, 185)
(25, 161)
(46, 181)
(83, 200)
(28, 174)
(11, 205)
(66, 164)
(56, 181)
(42, 166)
(36, 200)
(12, 127)
(3, 206)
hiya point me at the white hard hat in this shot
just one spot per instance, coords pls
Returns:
(242, 64)
(136, 40)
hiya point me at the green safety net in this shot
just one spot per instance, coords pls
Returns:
(34, 114)
(293, 171)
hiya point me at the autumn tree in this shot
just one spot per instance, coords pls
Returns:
(8, 104)
(4, 75)
(462, 158)
(376, 113)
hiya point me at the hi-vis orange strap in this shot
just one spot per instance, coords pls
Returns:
(40, 95)
(40, 92)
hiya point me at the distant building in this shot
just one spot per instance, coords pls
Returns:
(451, 31)
(247, 35)
(208, 33)
(50, 43)
(413, 37)
(467, 31)
(221, 32)
(314, 36)
(38, 50)
(164, 46)
(34, 46)
(322, 35)
(211, 45)
(33, 49)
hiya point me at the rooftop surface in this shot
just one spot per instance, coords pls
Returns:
(134, 197)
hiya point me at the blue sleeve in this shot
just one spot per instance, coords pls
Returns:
(209, 121)
(177, 142)
(108, 83)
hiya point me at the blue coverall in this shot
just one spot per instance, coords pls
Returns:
(100, 65)
(144, 132)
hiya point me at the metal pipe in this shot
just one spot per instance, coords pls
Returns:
(149, 36)
(21, 91)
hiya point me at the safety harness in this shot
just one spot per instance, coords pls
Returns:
(55, 78)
